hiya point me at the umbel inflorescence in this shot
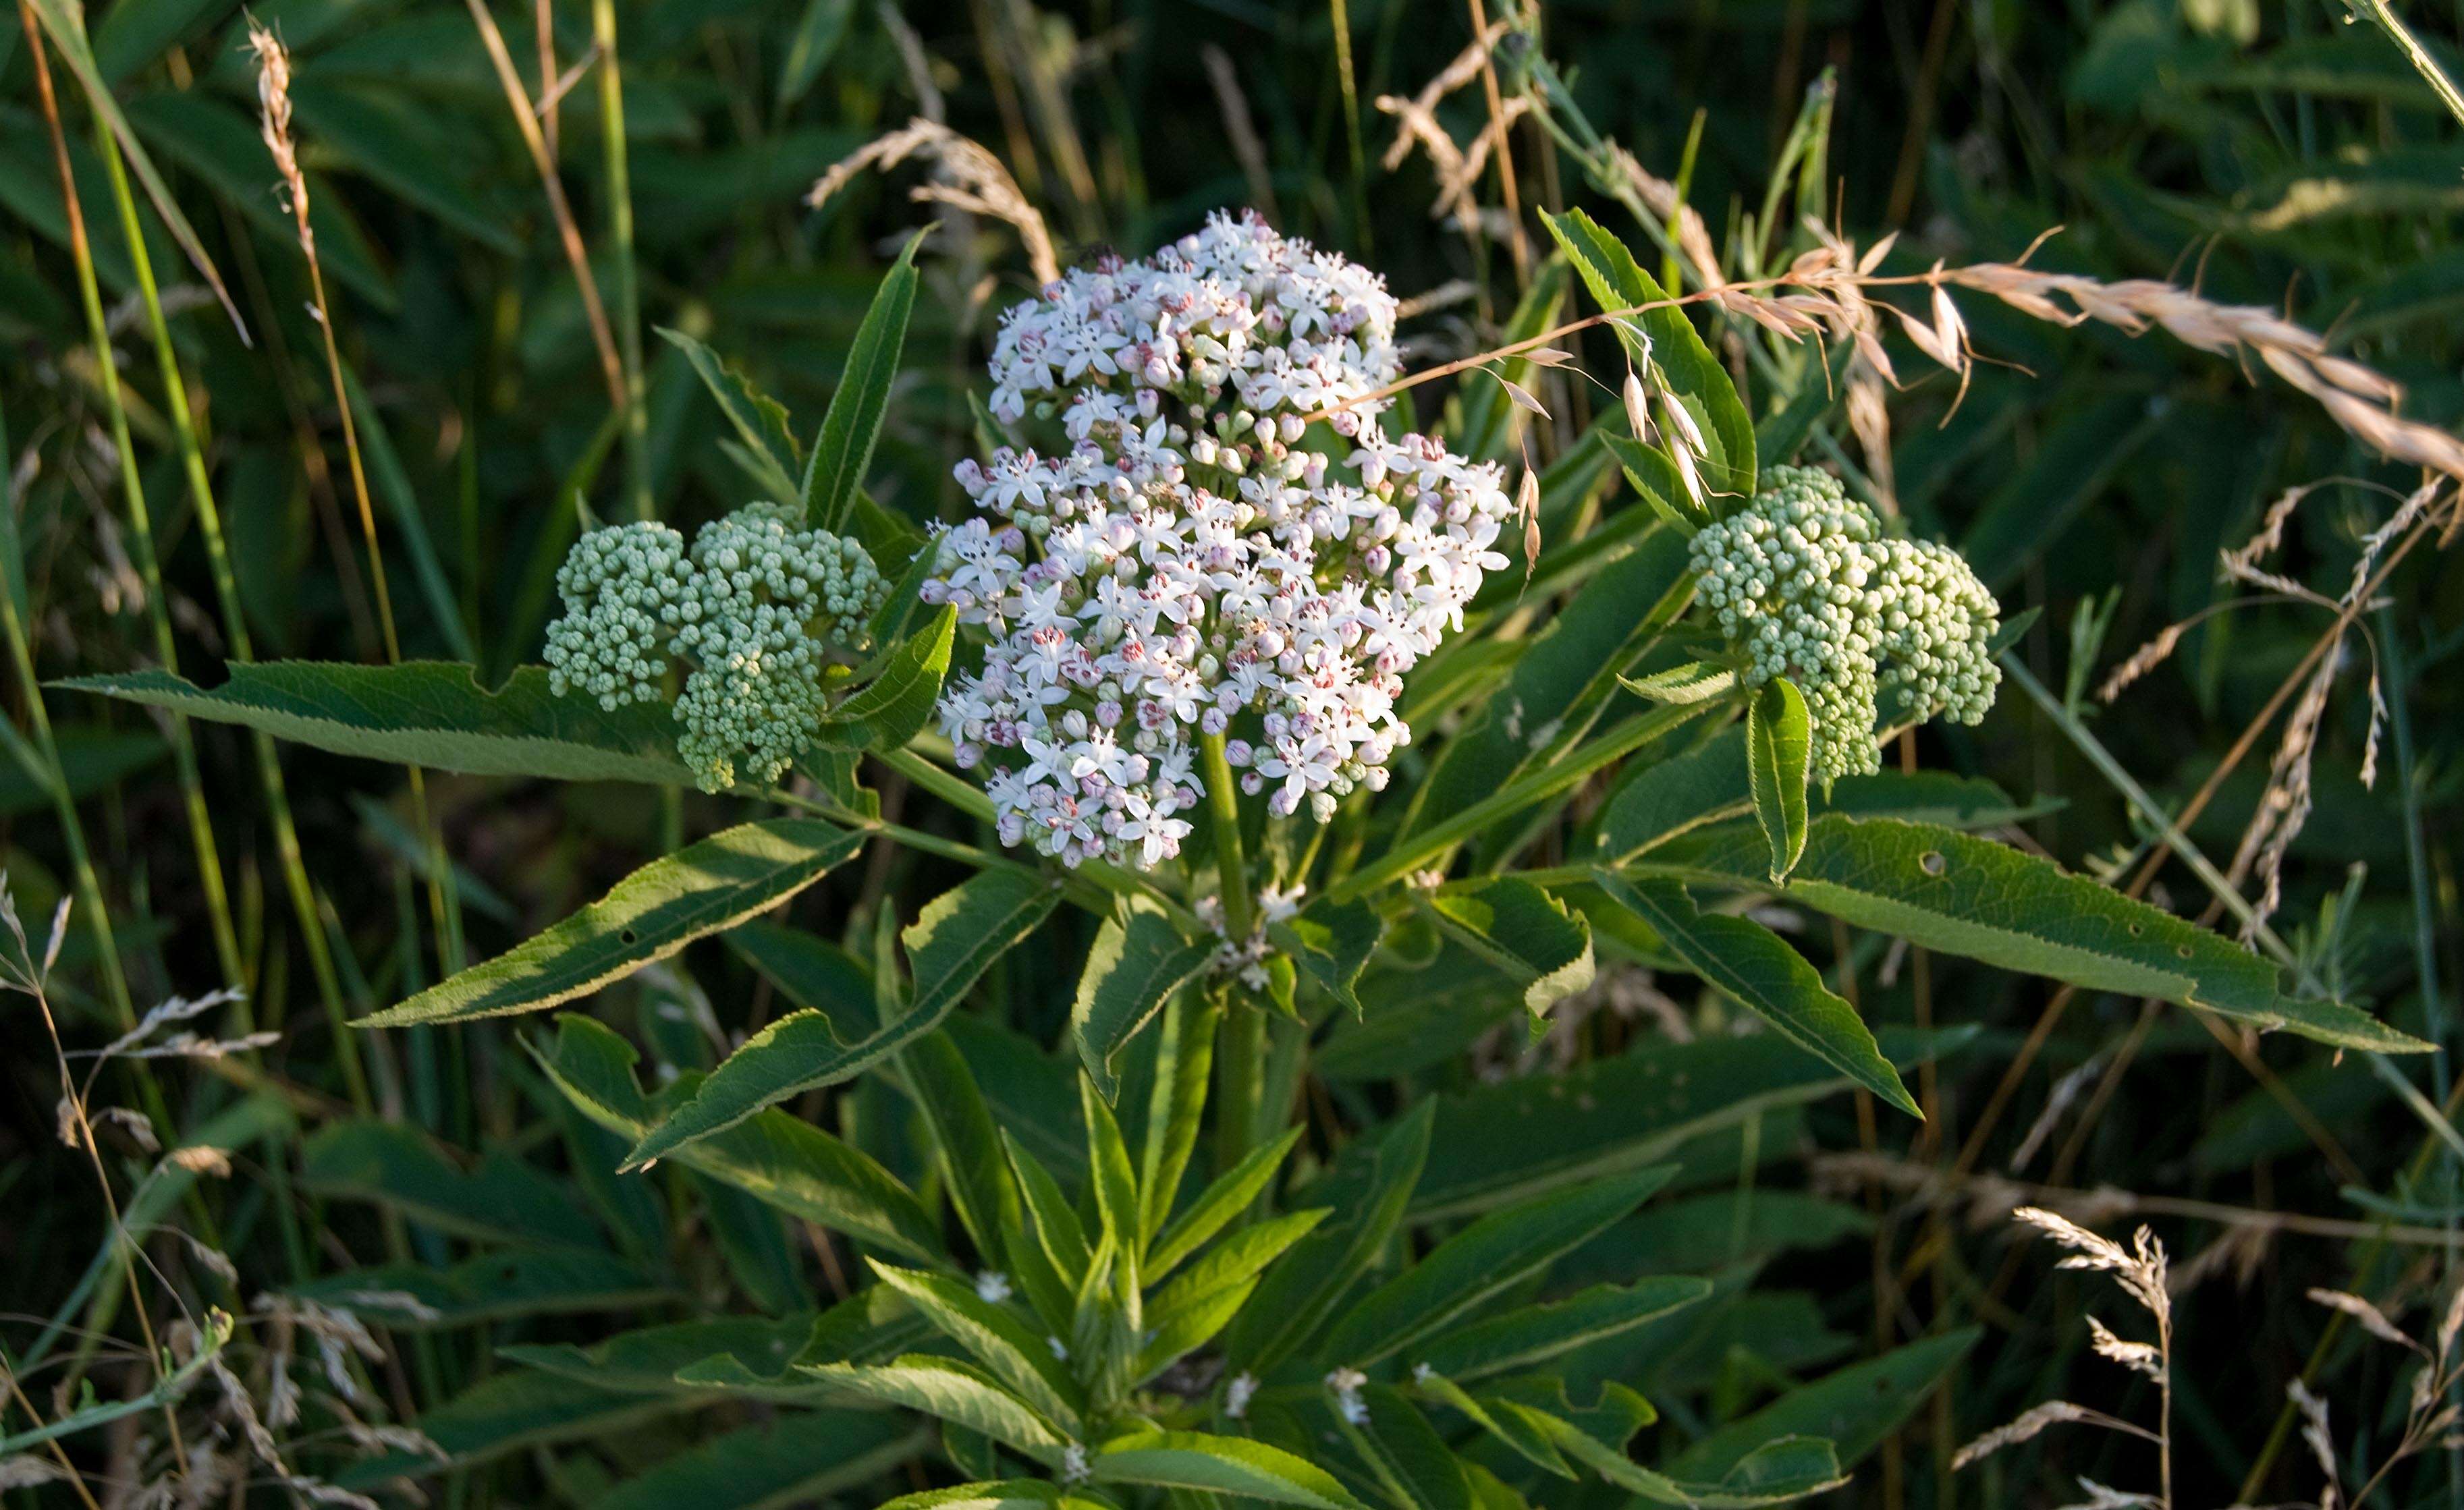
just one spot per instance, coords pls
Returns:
(1189, 558)
(754, 612)
(1805, 585)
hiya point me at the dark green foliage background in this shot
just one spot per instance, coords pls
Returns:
(2272, 155)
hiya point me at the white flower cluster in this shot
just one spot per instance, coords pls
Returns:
(1805, 585)
(755, 610)
(1179, 564)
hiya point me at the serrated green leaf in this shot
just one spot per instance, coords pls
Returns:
(1368, 1187)
(1114, 1176)
(852, 425)
(1525, 931)
(1701, 785)
(777, 1159)
(1694, 682)
(1233, 1261)
(1132, 971)
(955, 939)
(1008, 1348)
(1519, 1339)
(1853, 1409)
(1228, 1465)
(647, 1359)
(430, 713)
(1695, 377)
(1490, 1255)
(1510, 1140)
(1332, 941)
(1057, 1228)
(706, 886)
(759, 419)
(1757, 967)
(967, 1142)
(1218, 1204)
(953, 1391)
(1967, 895)
(1778, 739)
(1184, 1060)
(895, 705)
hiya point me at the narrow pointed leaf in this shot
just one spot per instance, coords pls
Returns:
(1694, 375)
(843, 450)
(1223, 1465)
(759, 419)
(1966, 895)
(958, 935)
(1218, 1204)
(895, 706)
(1519, 1339)
(1777, 737)
(779, 1160)
(1754, 966)
(704, 887)
(953, 1391)
(1132, 971)
(1007, 1347)
(431, 713)
(1492, 1254)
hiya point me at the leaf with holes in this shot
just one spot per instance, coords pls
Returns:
(1965, 895)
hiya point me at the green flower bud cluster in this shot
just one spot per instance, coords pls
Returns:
(1804, 585)
(754, 611)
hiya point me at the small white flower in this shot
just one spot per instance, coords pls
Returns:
(1346, 1384)
(1174, 567)
(992, 1287)
(1237, 1395)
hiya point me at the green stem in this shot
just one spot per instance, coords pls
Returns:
(1240, 1072)
(1231, 865)
(141, 531)
(620, 232)
(192, 458)
(89, 890)
(1240, 1051)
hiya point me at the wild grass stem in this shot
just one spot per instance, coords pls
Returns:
(234, 625)
(140, 526)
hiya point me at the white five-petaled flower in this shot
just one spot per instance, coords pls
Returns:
(1177, 565)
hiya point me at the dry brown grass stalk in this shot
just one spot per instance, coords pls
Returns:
(526, 121)
(965, 175)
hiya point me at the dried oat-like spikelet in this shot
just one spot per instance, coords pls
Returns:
(965, 175)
